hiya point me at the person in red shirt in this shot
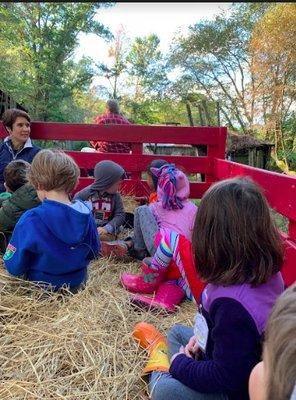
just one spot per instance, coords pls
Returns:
(111, 116)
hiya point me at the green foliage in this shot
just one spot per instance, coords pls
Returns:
(213, 59)
(244, 61)
(37, 43)
(155, 111)
(113, 73)
(213, 63)
(146, 67)
(137, 70)
(203, 111)
(291, 157)
(280, 221)
(273, 52)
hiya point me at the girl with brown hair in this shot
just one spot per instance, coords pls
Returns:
(238, 254)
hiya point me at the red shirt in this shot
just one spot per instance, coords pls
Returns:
(111, 147)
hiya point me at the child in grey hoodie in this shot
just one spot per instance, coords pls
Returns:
(106, 202)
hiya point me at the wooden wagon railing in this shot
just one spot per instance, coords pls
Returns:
(279, 189)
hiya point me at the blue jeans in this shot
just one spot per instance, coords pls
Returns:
(163, 386)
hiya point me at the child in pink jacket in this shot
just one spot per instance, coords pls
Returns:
(173, 211)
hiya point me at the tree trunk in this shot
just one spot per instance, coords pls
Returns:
(189, 114)
(207, 114)
(218, 113)
(200, 115)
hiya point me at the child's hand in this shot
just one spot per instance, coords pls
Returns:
(191, 347)
(101, 230)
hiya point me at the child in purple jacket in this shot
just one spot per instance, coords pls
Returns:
(238, 253)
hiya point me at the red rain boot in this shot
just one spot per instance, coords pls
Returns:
(148, 282)
(167, 297)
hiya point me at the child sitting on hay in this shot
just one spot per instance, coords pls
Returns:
(106, 202)
(168, 277)
(152, 181)
(238, 253)
(170, 269)
(53, 243)
(173, 211)
(20, 196)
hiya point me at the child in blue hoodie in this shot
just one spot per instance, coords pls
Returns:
(53, 243)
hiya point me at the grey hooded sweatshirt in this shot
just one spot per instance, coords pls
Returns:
(107, 208)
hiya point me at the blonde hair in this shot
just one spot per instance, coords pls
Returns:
(53, 170)
(280, 347)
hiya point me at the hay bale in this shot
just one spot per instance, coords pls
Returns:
(80, 346)
(129, 203)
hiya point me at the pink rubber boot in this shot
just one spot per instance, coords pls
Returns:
(167, 297)
(147, 282)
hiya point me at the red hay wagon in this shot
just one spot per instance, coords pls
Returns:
(279, 189)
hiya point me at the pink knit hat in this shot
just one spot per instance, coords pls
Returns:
(173, 186)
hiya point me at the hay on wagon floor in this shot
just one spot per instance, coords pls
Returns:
(80, 346)
(129, 203)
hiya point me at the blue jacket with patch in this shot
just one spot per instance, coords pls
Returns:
(27, 153)
(53, 243)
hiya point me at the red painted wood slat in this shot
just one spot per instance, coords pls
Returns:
(139, 162)
(137, 148)
(289, 267)
(217, 152)
(124, 133)
(3, 132)
(134, 187)
(279, 189)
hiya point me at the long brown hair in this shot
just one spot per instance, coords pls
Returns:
(280, 347)
(234, 238)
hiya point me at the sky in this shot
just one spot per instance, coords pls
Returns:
(141, 19)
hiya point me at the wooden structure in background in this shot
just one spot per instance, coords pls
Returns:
(6, 102)
(246, 149)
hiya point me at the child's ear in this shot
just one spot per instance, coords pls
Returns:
(9, 130)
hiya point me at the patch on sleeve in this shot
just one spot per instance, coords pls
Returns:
(10, 250)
